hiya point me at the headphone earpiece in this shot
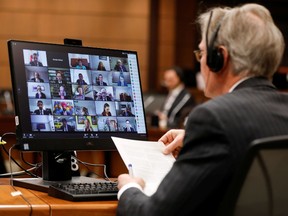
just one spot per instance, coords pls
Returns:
(215, 59)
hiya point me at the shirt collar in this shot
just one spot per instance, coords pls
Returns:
(237, 83)
(177, 90)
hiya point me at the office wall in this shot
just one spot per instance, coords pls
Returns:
(166, 36)
(174, 40)
(99, 23)
(126, 24)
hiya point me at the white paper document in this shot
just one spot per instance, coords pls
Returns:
(147, 159)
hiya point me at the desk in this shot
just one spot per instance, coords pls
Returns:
(42, 204)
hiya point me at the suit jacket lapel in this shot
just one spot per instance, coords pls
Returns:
(177, 100)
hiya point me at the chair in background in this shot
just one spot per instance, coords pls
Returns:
(261, 185)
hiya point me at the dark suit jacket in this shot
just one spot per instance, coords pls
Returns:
(218, 133)
(180, 109)
(45, 112)
(131, 129)
(69, 127)
(34, 80)
(120, 68)
(120, 84)
(32, 63)
(37, 95)
(103, 83)
(62, 82)
(81, 82)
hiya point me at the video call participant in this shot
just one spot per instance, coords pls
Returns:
(65, 126)
(37, 78)
(34, 61)
(62, 93)
(106, 110)
(79, 93)
(80, 65)
(121, 81)
(127, 111)
(128, 127)
(113, 125)
(101, 66)
(80, 80)
(59, 78)
(107, 126)
(84, 111)
(87, 125)
(40, 110)
(119, 66)
(103, 95)
(219, 131)
(99, 81)
(179, 101)
(39, 93)
(125, 96)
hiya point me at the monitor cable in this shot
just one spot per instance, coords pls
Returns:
(86, 164)
(17, 173)
(2, 142)
(35, 166)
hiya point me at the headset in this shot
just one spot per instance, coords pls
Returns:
(215, 59)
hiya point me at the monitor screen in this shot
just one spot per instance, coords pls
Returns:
(69, 98)
(74, 97)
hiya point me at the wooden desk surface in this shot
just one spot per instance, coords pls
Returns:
(9, 204)
(42, 204)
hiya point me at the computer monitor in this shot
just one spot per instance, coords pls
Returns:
(70, 98)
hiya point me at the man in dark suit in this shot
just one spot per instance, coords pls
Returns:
(40, 110)
(179, 101)
(128, 127)
(35, 61)
(37, 78)
(80, 80)
(99, 81)
(39, 93)
(237, 64)
(66, 127)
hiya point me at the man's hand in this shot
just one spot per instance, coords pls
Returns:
(124, 179)
(173, 140)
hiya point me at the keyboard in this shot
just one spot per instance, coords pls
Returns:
(102, 190)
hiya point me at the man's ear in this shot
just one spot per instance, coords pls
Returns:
(225, 55)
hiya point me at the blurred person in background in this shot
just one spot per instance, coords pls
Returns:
(179, 102)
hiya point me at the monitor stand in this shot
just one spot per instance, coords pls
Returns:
(56, 168)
